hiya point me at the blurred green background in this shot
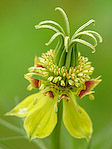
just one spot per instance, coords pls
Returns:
(20, 42)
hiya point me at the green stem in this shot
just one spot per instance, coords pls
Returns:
(10, 126)
(55, 136)
(11, 138)
(89, 144)
(37, 142)
(76, 55)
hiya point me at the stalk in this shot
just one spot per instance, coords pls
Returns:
(68, 59)
(38, 143)
(74, 56)
(55, 136)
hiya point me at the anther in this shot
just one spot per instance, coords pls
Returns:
(62, 83)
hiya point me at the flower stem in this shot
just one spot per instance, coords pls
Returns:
(10, 126)
(37, 142)
(11, 138)
(55, 136)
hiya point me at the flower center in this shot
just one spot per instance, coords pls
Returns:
(75, 76)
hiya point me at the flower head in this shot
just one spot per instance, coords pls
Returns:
(65, 74)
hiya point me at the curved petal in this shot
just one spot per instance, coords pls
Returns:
(42, 119)
(89, 86)
(77, 122)
(24, 107)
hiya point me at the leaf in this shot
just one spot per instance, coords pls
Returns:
(85, 43)
(88, 34)
(53, 23)
(97, 34)
(83, 26)
(47, 27)
(53, 38)
(66, 43)
(65, 18)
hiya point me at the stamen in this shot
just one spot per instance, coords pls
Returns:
(35, 100)
(57, 75)
(62, 83)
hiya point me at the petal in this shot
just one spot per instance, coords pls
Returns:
(89, 85)
(41, 121)
(36, 62)
(24, 107)
(35, 83)
(77, 122)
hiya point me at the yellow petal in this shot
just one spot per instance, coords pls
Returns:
(42, 119)
(24, 107)
(76, 121)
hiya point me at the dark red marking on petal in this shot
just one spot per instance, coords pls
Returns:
(50, 93)
(38, 65)
(35, 83)
(82, 93)
(89, 86)
(68, 100)
(64, 95)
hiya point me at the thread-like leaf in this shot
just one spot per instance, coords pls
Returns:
(58, 44)
(97, 34)
(66, 43)
(47, 27)
(85, 43)
(83, 26)
(59, 51)
(53, 23)
(88, 34)
(53, 37)
(62, 58)
(65, 18)
(74, 55)
(68, 59)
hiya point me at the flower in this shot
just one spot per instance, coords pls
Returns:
(65, 74)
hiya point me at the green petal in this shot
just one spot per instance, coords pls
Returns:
(77, 123)
(24, 107)
(41, 121)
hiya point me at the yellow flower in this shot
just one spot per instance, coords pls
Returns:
(40, 109)
(65, 74)
(41, 118)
